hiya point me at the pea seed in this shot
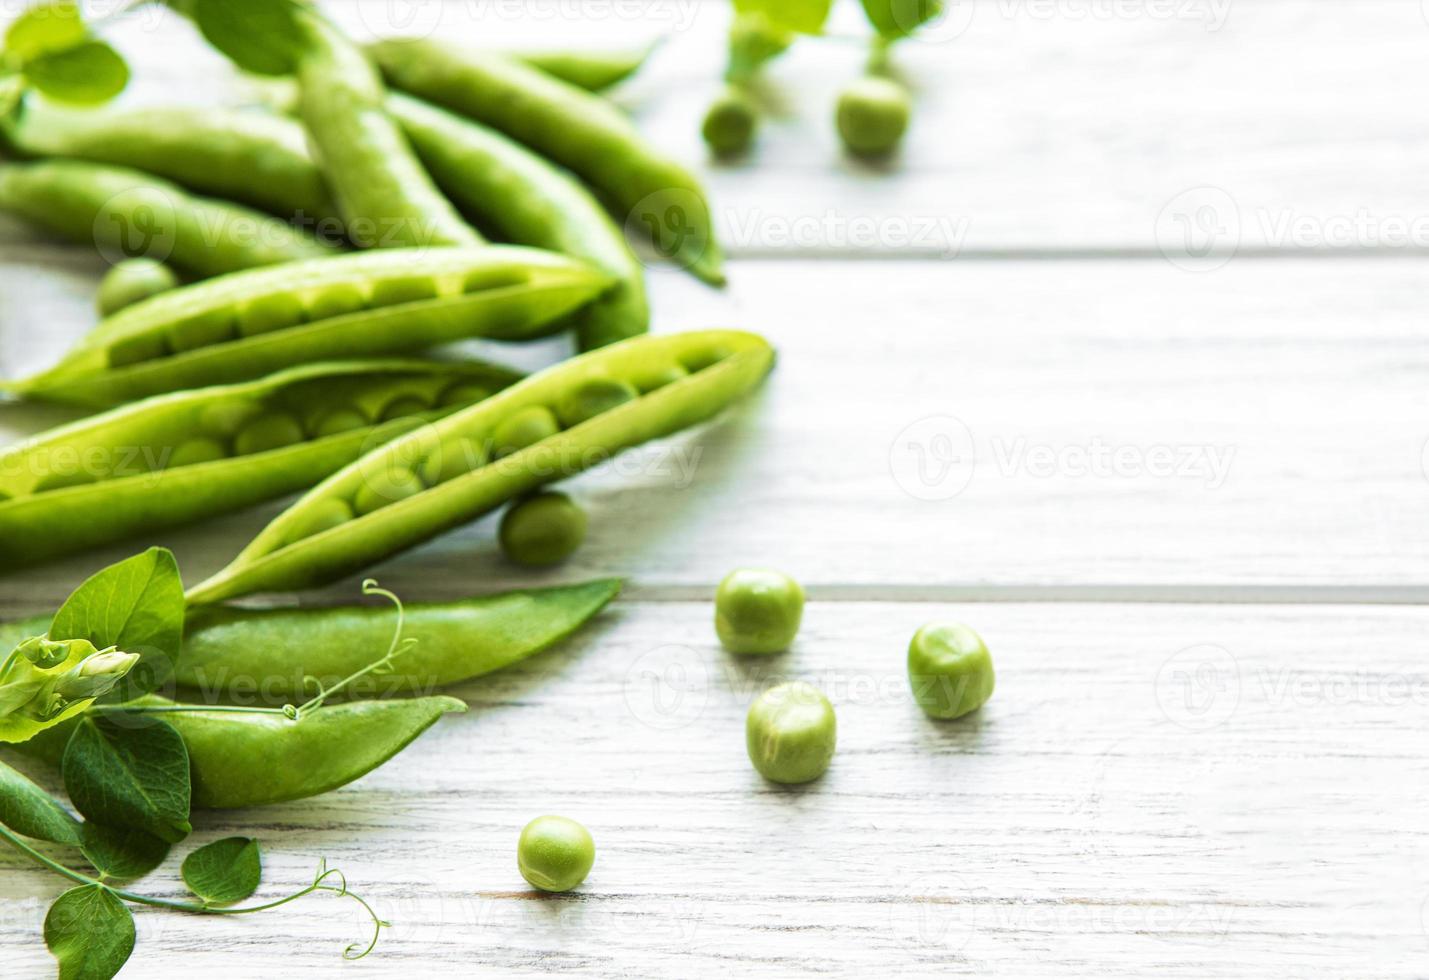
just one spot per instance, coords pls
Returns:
(225, 418)
(196, 451)
(63, 481)
(450, 462)
(133, 281)
(661, 378)
(339, 421)
(950, 670)
(872, 116)
(387, 487)
(524, 428)
(269, 313)
(324, 516)
(542, 530)
(336, 300)
(464, 394)
(409, 289)
(273, 430)
(706, 358)
(137, 350)
(204, 330)
(555, 854)
(758, 611)
(404, 408)
(595, 397)
(790, 733)
(729, 124)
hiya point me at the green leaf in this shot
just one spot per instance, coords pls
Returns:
(122, 853)
(225, 871)
(44, 29)
(30, 811)
(136, 605)
(131, 773)
(90, 932)
(801, 16)
(89, 74)
(266, 37)
(898, 18)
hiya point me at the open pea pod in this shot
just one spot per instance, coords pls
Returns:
(554, 424)
(173, 459)
(232, 653)
(248, 324)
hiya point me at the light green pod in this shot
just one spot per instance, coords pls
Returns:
(124, 212)
(252, 157)
(653, 194)
(500, 291)
(520, 197)
(723, 365)
(174, 459)
(594, 71)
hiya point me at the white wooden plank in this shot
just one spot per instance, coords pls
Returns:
(1086, 822)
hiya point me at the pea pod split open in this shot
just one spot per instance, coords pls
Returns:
(551, 425)
(249, 324)
(177, 458)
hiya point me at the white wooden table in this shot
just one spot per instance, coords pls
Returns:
(1181, 491)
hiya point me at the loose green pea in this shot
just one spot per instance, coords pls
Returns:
(730, 123)
(454, 460)
(523, 428)
(949, 669)
(758, 611)
(132, 281)
(542, 530)
(555, 853)
(336, 300)
(196, 451)
(872, 115)
(595, 397)
(791, 732)
(324, 517)
(275, 312)
(271, 430)
(339, 421)
(387, 487)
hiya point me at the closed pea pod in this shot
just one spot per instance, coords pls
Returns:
(572, 128)
(177, 458)
(127, 213)
(282, 556)
(191, 336)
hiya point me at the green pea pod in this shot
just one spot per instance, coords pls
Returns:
(124, 212)
(526, 200)
(386, 198)
(609, 400)
(173, 459)
(573, 128)
(249, 324)
(252, 157)
(594, 71)
(237, 653)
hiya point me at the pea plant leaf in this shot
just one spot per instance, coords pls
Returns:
(91, 933)
(801, 16)
(265, 37)
(136, 605)
(225, 871)
(31, 812)
(129, 773)
(121, 852)
(894, 19)
(87, 74)
(44, 29)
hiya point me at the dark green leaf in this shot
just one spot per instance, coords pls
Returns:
(26, 809)
(44, 29)
(129, 772)
(122, 853)
(899, 18)
(90, 932)
(136, 605)
(225, 871)
(88, 74)
(265, 37)
(802, 16)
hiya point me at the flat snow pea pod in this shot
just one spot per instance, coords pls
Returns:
(250, 324)
(124, 212)
(173, 459)
(253, 157)
(230, 652)
(521, 198)
(722, 365)
(387, 200)
(573, 128)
